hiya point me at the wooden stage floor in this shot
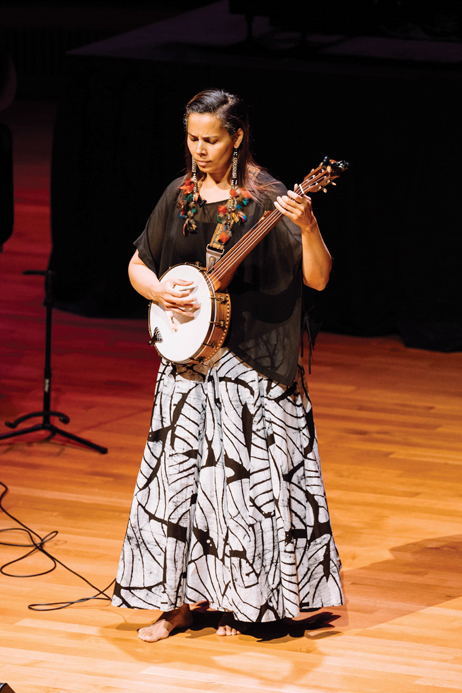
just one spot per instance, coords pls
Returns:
(389, 426)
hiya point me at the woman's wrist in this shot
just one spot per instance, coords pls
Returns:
(311, 228)
(153, 290)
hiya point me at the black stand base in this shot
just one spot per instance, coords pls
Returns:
(5, 688)
(46, 425)
(46, 412)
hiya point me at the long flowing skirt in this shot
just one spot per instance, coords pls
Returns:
(229, 504)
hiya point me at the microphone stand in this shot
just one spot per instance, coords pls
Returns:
(46, 413)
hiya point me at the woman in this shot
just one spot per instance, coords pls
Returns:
(229, 509)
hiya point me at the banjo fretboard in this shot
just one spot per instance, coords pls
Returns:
(318, 179)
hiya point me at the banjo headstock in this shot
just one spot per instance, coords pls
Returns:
(322, 176)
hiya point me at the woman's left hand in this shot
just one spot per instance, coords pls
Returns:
(317, 261)
(298, 209)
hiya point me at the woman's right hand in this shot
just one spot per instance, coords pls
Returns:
(175, 296)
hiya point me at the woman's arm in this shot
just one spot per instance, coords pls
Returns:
(146, 283)
(317, 261)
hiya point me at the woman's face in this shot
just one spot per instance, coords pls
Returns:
(210, 144)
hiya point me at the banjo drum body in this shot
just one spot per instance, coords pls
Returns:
(183, 339)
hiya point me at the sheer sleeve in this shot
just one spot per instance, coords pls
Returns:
(151, 241)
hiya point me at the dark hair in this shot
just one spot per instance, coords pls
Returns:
(231, 110)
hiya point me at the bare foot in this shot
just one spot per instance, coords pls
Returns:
(178, 618)
(229, 626)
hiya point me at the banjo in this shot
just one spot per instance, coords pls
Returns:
(195, 339)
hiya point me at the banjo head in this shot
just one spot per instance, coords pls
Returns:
(179, 338)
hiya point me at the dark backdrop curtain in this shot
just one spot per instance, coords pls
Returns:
(392, 223)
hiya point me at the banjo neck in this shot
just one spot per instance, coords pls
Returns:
(222, 272)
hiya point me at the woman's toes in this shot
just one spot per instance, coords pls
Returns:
(227, 625)
(158, 631)
(227, 630)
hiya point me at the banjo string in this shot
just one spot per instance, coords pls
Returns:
(220, 269)
(219, 272)
(255, 235)
(239, 251)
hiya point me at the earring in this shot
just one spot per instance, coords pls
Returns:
(234, 169)
(194, 174)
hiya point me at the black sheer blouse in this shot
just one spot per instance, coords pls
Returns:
(266, 291)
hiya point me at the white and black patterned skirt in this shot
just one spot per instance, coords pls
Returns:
(229, 504)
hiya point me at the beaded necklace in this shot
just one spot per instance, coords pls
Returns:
(227, 215)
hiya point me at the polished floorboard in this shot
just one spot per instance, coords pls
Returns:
(389, 426)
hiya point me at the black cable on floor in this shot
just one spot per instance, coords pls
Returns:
(37, 543)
